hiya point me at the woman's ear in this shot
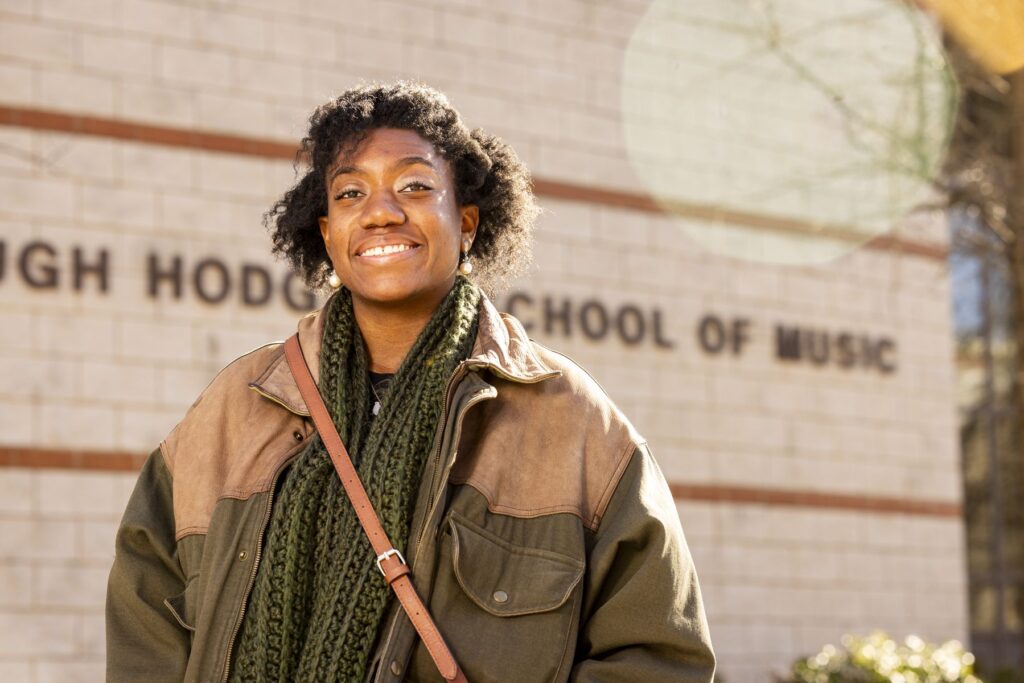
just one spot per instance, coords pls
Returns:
(324, 232)
(470, 215)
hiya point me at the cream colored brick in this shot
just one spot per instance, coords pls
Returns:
(221, 346)
(471, 32)
(82, 494)
(71, 672)
(24, 40)
(269, 77)
(302, 40)
(595, 262)
(438, 65)
(75, 336)
(364, 50)
(144, 167)
(36, 197)
(287, 120)
(537, 42)
(96, 12)
(17, 492)
(193, 66)
(190, 212)
(77, 156)
(24, 8)
(96, 537)
(619, 229)
(226, 26)
(235, 113)
(157, 18)
(118, 382)
(155, 341)
(163, 104)
(180, 386)
(15, 585)
(409, 18)
(91, 638)
(16, 672)
(34, 378)
(550, 257)
(27, 539)
(16, 421)
(142, 430)
(72, 587)
(16, 83)
(71, 425)
(118, 206)
(571, 221)
(104, 53)
(234, 175)
(76, 92)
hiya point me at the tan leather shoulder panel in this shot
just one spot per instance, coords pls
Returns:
(230, 442)
(559, 445)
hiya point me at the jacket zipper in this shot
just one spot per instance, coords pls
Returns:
(459, 373)
(255, 561)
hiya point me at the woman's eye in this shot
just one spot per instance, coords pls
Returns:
(417, 186)
(347, 194)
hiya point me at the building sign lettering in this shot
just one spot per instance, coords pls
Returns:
(40, 266)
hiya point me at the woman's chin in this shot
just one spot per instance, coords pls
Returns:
(399, 292)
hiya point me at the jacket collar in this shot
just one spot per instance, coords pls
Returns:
(501, 346)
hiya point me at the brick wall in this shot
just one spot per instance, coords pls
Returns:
(113, 371)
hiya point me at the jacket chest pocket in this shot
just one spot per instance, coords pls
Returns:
(508, 612)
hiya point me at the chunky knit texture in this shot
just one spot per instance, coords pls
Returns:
(318, 601)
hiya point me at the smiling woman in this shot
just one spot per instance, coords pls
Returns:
(394, 230)
(537, 528)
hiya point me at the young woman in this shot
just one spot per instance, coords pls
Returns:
(539, 531)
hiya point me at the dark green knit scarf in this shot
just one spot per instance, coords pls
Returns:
(318, 601)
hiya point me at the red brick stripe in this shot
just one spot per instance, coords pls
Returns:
(42, 119)
(80, 124)
(715, 493)
(123, 461)
(70, 459)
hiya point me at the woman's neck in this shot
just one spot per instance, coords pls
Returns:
(389, 333)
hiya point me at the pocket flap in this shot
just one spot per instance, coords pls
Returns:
(178, 605)
(508, 580)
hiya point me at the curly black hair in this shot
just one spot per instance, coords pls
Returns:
(486, 170)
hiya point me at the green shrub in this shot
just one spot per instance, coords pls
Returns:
(879, 659)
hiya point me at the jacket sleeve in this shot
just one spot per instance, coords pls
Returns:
(643, 618)
(144, 642)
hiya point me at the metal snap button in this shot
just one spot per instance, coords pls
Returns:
(396, 669)
(242, 555)
(500, 596)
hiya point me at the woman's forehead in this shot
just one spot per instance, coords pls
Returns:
(387, 147)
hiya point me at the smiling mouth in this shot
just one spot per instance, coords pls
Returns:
(387, 250)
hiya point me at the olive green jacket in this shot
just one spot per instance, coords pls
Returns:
(544, 540)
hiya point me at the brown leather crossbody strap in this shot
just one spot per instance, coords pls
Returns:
(390, 562)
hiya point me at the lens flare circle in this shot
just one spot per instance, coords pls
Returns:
(786, 131)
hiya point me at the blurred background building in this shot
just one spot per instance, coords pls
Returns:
(743, 241)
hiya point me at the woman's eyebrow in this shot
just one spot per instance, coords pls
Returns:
(404, 161)
(409, 161)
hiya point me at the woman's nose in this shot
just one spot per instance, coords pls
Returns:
(382, 209)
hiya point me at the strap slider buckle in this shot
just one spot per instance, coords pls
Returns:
(390, 552)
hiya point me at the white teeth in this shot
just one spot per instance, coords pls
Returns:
(386, 249)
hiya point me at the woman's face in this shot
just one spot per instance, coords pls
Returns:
(393, 228)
